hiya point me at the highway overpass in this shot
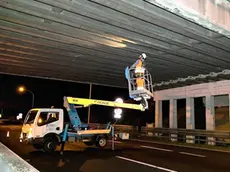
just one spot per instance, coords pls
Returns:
(93, 41)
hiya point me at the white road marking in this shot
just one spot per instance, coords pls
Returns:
(114, 141)
(176, 145)
(186, 153)
(142, 163)
(161, 149)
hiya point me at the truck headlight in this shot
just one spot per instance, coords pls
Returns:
(30, 133)
(21, 135)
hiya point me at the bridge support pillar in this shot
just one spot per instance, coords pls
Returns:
(190, 121)
(173, 117)
(210, 117)
(158, 114)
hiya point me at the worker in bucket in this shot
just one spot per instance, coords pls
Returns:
(140, 71)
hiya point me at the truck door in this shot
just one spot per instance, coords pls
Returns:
(48, 122)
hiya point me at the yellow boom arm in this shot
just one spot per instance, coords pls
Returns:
(88, 102)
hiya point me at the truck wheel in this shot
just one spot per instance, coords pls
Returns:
(50, 145)
(101, 142)
(89, 143)
(37, 146)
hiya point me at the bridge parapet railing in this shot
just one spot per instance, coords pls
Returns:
(180, 135)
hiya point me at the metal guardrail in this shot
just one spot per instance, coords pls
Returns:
(192, 136)
(179, 135)
(195, 132)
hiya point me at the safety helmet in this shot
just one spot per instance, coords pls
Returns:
(143, 56)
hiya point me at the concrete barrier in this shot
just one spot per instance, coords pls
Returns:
(11, 162)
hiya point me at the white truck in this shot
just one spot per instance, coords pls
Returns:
(44, 127)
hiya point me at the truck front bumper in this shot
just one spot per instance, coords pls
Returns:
(25, 139)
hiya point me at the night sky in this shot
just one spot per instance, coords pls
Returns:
(50, 93)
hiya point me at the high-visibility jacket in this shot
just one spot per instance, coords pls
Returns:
(139, 64)
(139, 67)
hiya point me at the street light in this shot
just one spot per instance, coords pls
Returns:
(118, 111)
(119, 100)
(22, 89)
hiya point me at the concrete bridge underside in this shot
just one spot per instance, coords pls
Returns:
(94, 40)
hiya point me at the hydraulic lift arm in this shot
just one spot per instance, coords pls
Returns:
(69, 103)
(89, 102)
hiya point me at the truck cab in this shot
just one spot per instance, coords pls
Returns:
(41, 125)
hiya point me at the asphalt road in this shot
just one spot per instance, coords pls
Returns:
(127, 156)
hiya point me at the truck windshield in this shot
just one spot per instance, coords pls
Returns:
(30, 117)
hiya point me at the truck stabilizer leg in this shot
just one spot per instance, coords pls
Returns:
(64, 139)
(113, 137)
(62, 148)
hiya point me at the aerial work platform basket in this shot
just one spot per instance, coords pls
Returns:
(139, 94)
